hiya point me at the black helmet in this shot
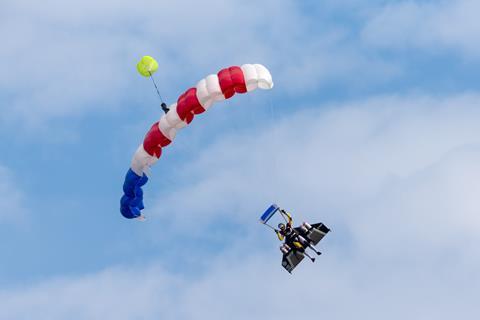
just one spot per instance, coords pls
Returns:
(281, 226)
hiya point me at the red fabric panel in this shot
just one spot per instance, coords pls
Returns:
(226, 83)
(231, 81)
(189, 118)
(188, 105)
(181, 107)
(154, 141)
(238, 79)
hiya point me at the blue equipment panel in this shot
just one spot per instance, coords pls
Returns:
(269, 213)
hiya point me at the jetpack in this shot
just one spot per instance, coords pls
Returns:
(307, 235)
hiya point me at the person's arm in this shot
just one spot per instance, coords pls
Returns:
(289, 217)
(290, 220)
(279, 235)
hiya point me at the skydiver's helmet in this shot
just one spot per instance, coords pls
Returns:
(281, 226)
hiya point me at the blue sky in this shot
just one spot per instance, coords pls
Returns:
(371, 128)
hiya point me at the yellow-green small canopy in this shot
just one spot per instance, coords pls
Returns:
(147, 66)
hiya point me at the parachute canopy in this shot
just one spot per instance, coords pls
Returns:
(147, 66)
(194, 101)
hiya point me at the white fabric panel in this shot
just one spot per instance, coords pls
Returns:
(166, 129)
(213, 88)
(264, 77)
(202, 94)
(173, 119)
(250, 76)
(142, 161)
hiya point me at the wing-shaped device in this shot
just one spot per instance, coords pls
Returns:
(311, 235)
(292, 259)
(314, 233)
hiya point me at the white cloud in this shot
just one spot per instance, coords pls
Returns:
(62, 60)
(252, 285)
(429, 25)
(326, 155)
(396, 179)
(11, 202)
(123, 294)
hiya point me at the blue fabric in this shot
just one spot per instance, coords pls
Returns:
(269, 213)
(131, 203)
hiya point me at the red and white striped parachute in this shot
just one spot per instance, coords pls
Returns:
(196, 100)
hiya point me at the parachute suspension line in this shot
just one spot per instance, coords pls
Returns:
(163, 105)
(276, 134)
(272, 109)
(156, 88)
(227, 81)
(283, 215)
(251, 110)
(266, 224)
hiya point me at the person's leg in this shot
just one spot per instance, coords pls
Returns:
(314, 249)
(305, 253)
(305, 243)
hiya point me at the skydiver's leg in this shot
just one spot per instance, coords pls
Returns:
(308, 244)
(314, 249)
(305, 253)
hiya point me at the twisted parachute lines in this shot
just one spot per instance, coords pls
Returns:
(196, 100)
